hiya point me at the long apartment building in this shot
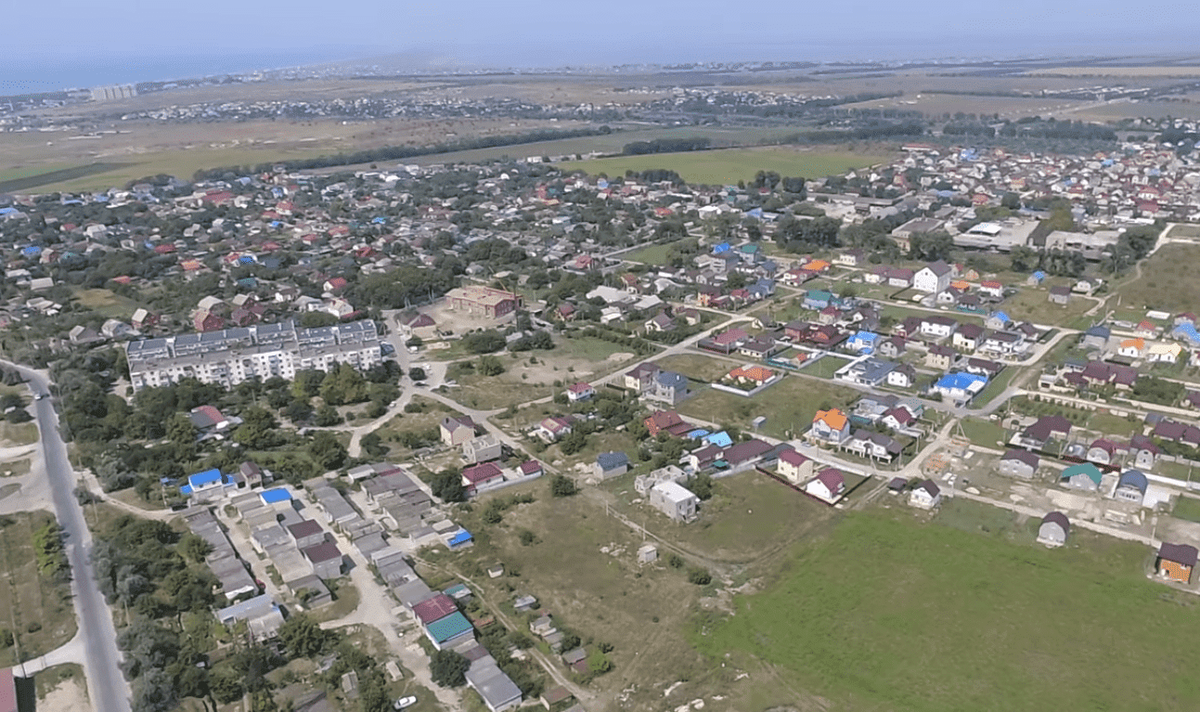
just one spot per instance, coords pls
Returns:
(234, 355)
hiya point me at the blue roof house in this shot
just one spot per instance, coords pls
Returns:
(276, 496)
(959, 386)
(611, 464)
(1186, 332)
(207, 485)
(863, 342)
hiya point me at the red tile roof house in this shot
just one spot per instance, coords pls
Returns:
(580, 392)
(827, 486)
(482, 477)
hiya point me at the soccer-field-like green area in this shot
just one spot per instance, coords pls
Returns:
(887, 613)
(725, 166)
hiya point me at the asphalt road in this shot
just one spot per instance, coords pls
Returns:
(106, 685)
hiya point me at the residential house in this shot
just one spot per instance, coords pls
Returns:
(1053, 529)
(306, 533)
(830, 427)
(1131, 486)
(938, 327)
(992, 289)
(1132, 348)
(751, 375)
(580, 391)
(1102, 452)
(1164, 353)
(997, 320)
(968, 337)
(326, 560)
(1144, 452)
(959, 386)
(893, 348)
(553, 428)
(641, 378)
(1060, 295)
(794, 467)
(902, 376)
(457, 430)
(899, 419)
(669, 387)
(482, 477)
(667, 421)
(481, 449)
(1084, 476)
(876, 446)
(674, 500)
(449, 631)
(933, 278)
(1176, 561)
(1096, 337)
(828, 485)
(925, 495)
(940, 358)
(867, 372)
(1019, 463)
(611, 464)
(660, 323)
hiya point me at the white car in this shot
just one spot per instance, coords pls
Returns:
(405, 702)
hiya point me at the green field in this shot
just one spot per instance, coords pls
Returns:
(34, 607)
(23, 179)
(651, 254)
(1167, 282)
(890, 614)
(731, 165)
(789, 405)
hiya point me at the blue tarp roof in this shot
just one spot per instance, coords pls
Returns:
(1187, 331)
(960, 381)
(1002, 316)
(32, 250)
(460, 538)
(207, 477)
(697, 433)
(278, 494)
(723, 247)
(720, 439)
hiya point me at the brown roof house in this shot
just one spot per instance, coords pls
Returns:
(1176, 561)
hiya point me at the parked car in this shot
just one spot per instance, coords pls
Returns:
(403, 702)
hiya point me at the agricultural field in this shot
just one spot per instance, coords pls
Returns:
(789, 405)
(718, 167)
(935, 104)
(887, 613)
(1167, 281)
(34, 608)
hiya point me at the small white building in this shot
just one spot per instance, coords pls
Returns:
(674, 500)
(926, 495)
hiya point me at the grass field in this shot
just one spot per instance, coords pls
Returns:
(107, 303)
(789, 405)
(890, 614)
(1034, 305)
(719, 167)
(650, 254)
(697, 367)
(34, 608)
(1167, 281)
(21, 180)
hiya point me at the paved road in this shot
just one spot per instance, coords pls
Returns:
(106, 685)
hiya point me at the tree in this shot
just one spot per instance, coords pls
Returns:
(562, 486)
(373, 445)
(180, 430)
(702, 486)
(258, 429)
(307, 384)
(573, 442)
(448, 668)
(194, 548)
(490, 366)
(302, 637)
(343, 385)
(326, 450)
(416, 374)
(699, 576)
(484, 342)
(447, 486)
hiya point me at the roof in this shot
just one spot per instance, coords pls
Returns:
(305, 528)
(833, 417)
(273, 496)
(612, 460)
(742, 452)
(449, 627)
(435, 609)
(1083, 468)
(1024, 456)
(460, 537)
(1058, 518)
(8, 691)
(327, 551)
(1185, 554)
(579, 387)
(832, 479)
(754, 373)
(207, 477)
(482, 472)
(931, 487)
(793, 457)
(1133, 478)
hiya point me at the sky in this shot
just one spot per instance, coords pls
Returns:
(55, 43)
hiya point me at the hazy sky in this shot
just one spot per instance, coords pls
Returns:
(49, 41)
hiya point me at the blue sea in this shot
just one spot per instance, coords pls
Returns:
(57, 74)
